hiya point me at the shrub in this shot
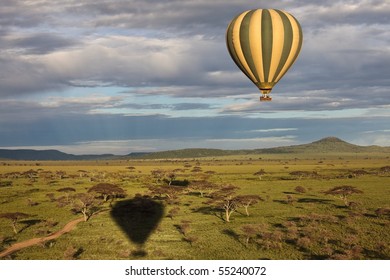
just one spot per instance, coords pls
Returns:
(31, 203)
(51, 197)
(250, 232)
(382, 212)
(290, 199)
(304, 242)
(300, 189)
(271, 240)
(6, 184)
(70, 253)
(191, 239)
(173, 212)
(184, 227)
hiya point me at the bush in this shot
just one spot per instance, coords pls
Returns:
(70, 253)
(304, 242)
(300, 189)
(382, 212)
(173, 212)
(290, 199)
(184, 227)
(191, 239)
(5, 184)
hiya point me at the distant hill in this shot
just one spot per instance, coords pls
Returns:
(190, 153)
(325, 145)
(27, 154)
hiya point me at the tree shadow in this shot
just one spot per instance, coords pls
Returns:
(28, 223)
(78, 253)
(6, 241)
(209, 210)
(138, 218)
(280, 201)
(314, 200)
(290, 193)
(180, 183)
(231, 233)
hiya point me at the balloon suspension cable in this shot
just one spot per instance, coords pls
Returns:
(265, 95)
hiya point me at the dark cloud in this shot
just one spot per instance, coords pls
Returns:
(177, 49)
(37, 43)
(72, 129)
(174, 107)
(191, 106)
(19, 13)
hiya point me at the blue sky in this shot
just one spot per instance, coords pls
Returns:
(98, 76)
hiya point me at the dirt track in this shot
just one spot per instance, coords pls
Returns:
(34, 241)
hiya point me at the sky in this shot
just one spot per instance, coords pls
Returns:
(97, 76)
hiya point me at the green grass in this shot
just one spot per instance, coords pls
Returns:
(315, 226)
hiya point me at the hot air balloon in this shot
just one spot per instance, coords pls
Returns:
(264, 43)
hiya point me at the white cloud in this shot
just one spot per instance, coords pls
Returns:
(287, 138)
(274, 129)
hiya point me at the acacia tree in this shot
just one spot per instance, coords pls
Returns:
(384, 169)
(158, 191)
(158, 174)
(343, 192)
(226, 200)
(14, 217)
(248, 200)
(82, 173)
(170, 193)
(67, 191)
(303, 174)
(260, 173)
(61, 174)
(170, 177)
(86, 204)
(202, 187)
(249, 232)
(107, 191)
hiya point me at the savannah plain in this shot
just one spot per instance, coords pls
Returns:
(253, 206)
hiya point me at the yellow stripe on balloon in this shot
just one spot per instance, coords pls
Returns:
(237, 46)
(294, 47)
(277, 44)
(255, 42)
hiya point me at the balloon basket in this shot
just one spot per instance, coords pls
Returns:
(265, 98)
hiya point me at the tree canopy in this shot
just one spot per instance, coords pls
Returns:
(107, 190)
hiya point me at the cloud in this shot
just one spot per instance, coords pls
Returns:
(96, 66)
(140, 44)
(274, 130)
(335, 12)
(36, 43)
(111, 61)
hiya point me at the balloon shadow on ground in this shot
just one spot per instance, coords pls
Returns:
(138, 218)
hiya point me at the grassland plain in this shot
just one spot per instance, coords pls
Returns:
(287, 224)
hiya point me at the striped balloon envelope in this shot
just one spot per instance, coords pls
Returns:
(264, 43)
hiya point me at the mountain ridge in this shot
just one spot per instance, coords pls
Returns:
(50, 154)
(324, 145)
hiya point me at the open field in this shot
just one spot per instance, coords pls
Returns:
(167, 215)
